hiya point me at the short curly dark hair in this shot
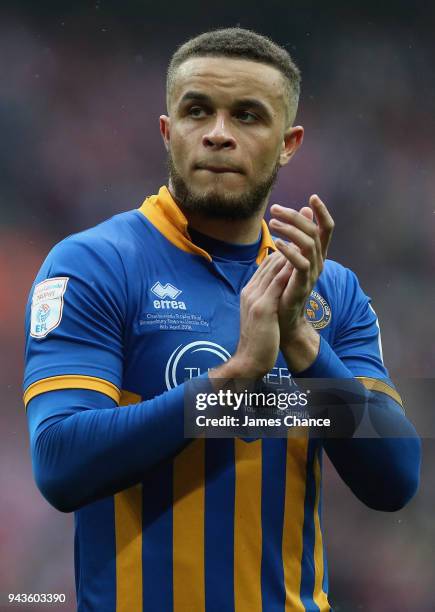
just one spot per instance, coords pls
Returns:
(239, 43)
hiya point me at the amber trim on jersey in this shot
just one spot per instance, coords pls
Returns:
(294, 514)
(188, 519)
(71, 381)
(162, 211)
(319, 596)
(128, 538)
(373, 384)
(266, 243)
(248, 534)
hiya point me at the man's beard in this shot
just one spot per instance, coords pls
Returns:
(221, 206)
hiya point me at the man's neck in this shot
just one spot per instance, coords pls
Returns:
(237, 231)
(244, 231)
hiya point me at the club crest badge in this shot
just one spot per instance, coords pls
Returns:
(47, 306)
(317, 311)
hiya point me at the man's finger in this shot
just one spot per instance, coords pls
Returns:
(300, 229)
(278, 283)
(295, 257)
(277, 263)
(325, 222)
(293, 217)
(262, 268)
(307, 244)
(265, 273)
(304, 220)
(307, 212)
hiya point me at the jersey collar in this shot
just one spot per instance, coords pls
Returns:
(162, 211)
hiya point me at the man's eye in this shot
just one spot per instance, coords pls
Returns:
(195, 111)
(246, 116)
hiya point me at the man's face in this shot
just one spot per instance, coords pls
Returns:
(226, 135)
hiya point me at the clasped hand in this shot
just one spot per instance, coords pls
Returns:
(273, 301)
(304, 247)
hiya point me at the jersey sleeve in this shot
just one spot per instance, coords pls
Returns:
(75, 319)
(357, 340)
(381, 463)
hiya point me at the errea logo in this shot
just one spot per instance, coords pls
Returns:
(165, 291)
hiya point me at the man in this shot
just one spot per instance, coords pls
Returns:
(123, 313)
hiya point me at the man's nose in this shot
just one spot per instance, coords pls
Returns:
(218, 135)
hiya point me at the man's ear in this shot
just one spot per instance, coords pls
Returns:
(293, 138)
(164, 124)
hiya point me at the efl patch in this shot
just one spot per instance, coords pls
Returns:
(47, 306)
(317, 311)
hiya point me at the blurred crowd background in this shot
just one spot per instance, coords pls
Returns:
(81, 88)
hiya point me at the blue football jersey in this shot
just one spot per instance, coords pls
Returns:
(131, 309)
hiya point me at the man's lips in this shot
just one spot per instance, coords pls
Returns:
(219, 169)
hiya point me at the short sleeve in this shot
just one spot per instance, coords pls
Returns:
(74, 324)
